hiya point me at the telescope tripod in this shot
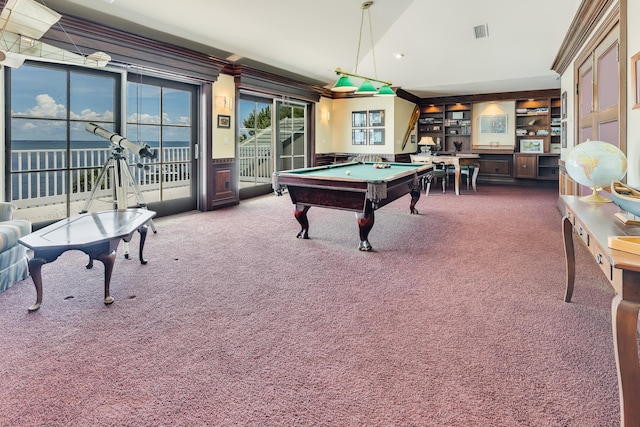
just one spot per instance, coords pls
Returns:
(123, 178)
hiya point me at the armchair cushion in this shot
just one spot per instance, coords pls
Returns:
(6, 211)
(11, 231)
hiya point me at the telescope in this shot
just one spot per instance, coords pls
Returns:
(142, 150)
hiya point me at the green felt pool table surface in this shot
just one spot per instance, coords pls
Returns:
(359, 171)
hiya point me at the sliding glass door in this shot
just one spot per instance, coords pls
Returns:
(255, 161)
(162, 114)
(291, 135)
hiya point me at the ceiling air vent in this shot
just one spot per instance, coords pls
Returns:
(481, 31)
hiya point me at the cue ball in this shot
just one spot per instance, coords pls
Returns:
(348, 172)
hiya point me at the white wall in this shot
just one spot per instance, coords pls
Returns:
(334, 135)
(494, 140)
(402, 115)
(223, 139)
(324, 117)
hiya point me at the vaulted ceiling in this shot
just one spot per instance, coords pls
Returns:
(441, 55)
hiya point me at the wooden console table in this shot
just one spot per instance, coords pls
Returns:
(593, 223)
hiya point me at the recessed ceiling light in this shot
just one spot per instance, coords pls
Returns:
(398, 55)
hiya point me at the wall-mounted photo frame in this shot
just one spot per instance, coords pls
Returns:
(635, 79)
(563, 105)
(359, 137)
(493, 124)
(376, 117)
(532, 145)
(376, 136)
(359, 119)
(563, 134)
(224, 122)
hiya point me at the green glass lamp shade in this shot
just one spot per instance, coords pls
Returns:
(366, 88)
(344, 84)
(385, 90)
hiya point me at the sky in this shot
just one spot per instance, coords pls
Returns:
(39, 92)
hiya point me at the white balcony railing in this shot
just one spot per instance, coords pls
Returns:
(39, 178)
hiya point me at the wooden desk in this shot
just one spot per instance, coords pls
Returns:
(594, 223)
(457, 162)
(96, 234)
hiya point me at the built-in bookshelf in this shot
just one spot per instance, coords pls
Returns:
(457, 128)
(449, 125)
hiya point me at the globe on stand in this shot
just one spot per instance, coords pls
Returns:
(596, 164)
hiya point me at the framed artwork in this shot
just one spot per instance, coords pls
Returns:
(376, 136)
(224, 121)
(358, 136)
(493, 124)
(532, 145)
(359, 119)
(635, 79)
(563, 105)
(376, 118)
(563, 134)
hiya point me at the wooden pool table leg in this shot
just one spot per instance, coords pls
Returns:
(415, 196)
(300, 213)
(365, 223)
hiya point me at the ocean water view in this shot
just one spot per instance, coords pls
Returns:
(40, 168)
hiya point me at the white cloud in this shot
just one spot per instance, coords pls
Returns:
(88, 114)
(45, 106)
(144, 118)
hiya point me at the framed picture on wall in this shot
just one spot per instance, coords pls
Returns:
(493, 124)
(358, 136)
(376, 118)
(376, 136)
(532, 145)
(563, 134)
(224, 122)
(359, 119)
(635, 79)
(563, 105)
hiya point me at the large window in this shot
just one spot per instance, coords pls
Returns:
(53, 161)
(55, 167)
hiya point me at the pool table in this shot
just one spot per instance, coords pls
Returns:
(361, 187)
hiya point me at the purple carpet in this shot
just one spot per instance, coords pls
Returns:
(455, 319)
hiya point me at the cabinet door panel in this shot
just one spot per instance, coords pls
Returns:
(526, 166)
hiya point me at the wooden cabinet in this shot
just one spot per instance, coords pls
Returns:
(495, 165)
(448, 123)
(536, 166)
(537, 122)
(532, 121)
(457, 128)
(555, 127)
(431, 123)
(537, 118)
(526, 166)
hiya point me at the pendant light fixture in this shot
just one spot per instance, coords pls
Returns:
(345, 84)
